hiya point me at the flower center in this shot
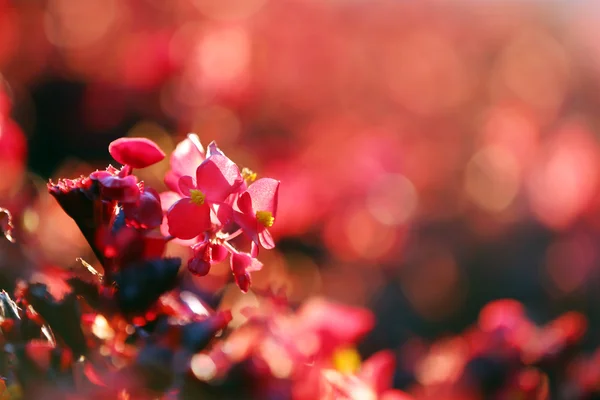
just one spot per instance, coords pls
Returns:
(248, 175)
(346, 360)
(265, 217)
(197, 197)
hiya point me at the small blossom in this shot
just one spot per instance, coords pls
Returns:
(241, 266)
(136, 152)
(258, 210)
(216, 178)
(198, 265)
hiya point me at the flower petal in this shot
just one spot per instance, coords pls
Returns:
(198, 266)
(187, 220)
(246, 219)
(255, 265)
(264, 194)
(186, 183)
(224, 214)
(340, 323)
(241, 266)
(244, 204)
(218, 252)
(243, 281)
(240, 262)
(248, 224)
(266, 240)
(164, 230)
(147, 213)
(136, 152)
(172, 181)
(167, 199)
(213, 149)
(186, 157)
(124, 189)
(378, 371)
(217, 177)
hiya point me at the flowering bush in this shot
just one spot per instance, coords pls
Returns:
(436, 226)
(130, 331)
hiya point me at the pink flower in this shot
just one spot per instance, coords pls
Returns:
(186, 157)
(136, 152)
(257, 211)
(216, 178)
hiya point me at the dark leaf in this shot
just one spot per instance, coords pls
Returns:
(63, 317)
(196, 336)
(141, 284)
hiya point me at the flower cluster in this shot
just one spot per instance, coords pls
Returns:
(135, 330)
(131, 330)
(211, 202)
(313, 348)
(505, 355)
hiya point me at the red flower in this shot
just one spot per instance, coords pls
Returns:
(258, 210)
(216, 178)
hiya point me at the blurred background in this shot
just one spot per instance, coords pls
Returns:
(434, 156)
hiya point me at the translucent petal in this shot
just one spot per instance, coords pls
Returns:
(187, 220)
(264, 194)
(217, 177)
(136, 152)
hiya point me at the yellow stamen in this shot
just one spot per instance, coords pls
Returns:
(346, 360)
(248, 175)
(197, 197)
(265, 217)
